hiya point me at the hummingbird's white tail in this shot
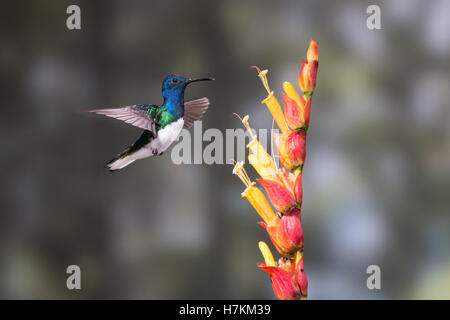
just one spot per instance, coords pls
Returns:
(131, 154)
(119, 163)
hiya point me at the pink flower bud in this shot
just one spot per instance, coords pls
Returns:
(291, 148)
(287, 233)
(280, 197)
(295, 146)
(307, 76)
(290, 232)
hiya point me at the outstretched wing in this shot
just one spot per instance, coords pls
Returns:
(193, 110)
(137, 115)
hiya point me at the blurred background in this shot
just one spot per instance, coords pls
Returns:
(377, 174)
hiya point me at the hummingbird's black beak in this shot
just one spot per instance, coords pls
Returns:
(198, 79)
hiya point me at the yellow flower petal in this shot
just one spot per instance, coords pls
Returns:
(275, 109)
(260, 203)
(290, 91)
(266, 172)
(262, 157)
(254, 195)
(265, 251)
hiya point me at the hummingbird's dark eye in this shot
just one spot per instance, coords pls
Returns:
(174, 80)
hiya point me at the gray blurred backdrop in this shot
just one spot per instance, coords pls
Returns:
(376, 179)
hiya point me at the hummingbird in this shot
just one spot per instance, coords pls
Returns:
(162, 124)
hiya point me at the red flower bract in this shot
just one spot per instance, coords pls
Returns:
(278, 195)
(282, 284)
(291, 148)
(296, 146)
(292, 113)
(302, 281)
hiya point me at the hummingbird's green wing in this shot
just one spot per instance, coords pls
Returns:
(193, 110)
(139, 115)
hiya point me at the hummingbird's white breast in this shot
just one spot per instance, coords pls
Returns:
(166, 136)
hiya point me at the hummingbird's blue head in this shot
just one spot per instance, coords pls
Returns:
(177, 83)
(174, 82)
(173, 92)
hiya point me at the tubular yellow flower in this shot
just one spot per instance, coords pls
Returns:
(255, 196)
(261, 154)
(272, 103)
(256, 147)
(260, 203)
(291, 93)
(259, 159)
(265, 171)
(268, 257)
(275, 109)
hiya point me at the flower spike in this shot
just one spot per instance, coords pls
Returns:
(283, 187)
